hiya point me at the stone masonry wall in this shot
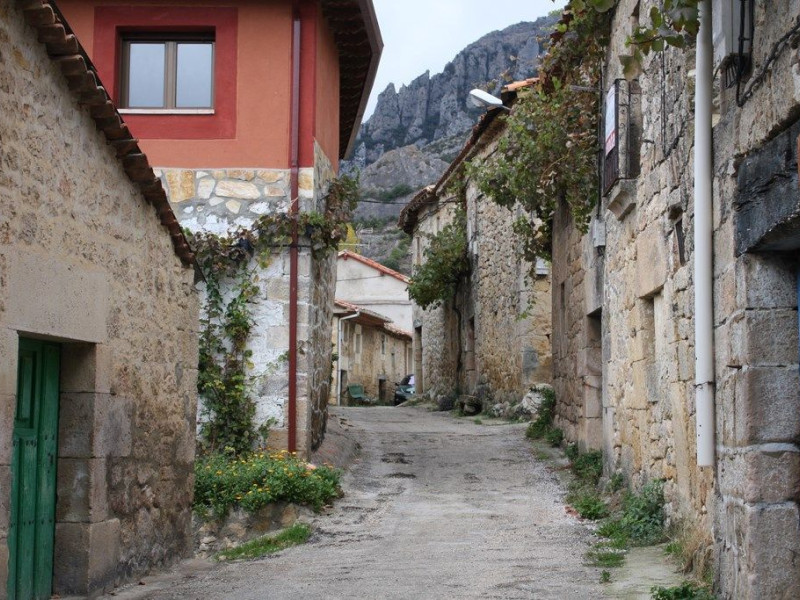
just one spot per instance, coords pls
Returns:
(372, 362)
(757, 508)
(647, 343)
(219, 201)
(648, 303)
(512, 323)
(84, 261)
(439, 338)
(577, 337)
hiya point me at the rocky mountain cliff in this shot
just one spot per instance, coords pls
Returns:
(416, 131)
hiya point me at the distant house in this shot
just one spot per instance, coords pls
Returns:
(98, 320)
(246, 108)
(492, 340)
(368, 283)
(371, 352)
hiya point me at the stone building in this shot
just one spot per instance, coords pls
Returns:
(98, 321)
(246, 108)
(680, 304)
(372, 285)
(492, 341)
(372, 351)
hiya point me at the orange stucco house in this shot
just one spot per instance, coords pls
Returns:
(244, 108)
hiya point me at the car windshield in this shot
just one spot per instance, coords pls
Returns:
(409, 379)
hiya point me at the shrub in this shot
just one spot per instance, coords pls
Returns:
(641, 522)
(554, 437)
(544, 420)
(589, 504)
(588, 467)
(643, 515)
(251, 482)
(685, 591)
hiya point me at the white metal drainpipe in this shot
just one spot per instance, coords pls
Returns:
(339, 355)
(703, 245)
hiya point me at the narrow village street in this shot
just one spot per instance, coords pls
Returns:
(435, 507)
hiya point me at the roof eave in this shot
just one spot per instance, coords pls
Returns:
(376, 45)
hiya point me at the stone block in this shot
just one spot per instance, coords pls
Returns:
(86, 556)
(82, 490)
(80, 309)
(242, 190)
(761, 475)
(104, 552)
(180, 185)
(763, 282)
(765, 337)
(95, 425)
(9, 350)
(651, 262)
(71, 558)
(772, 545)
(5, 498)
(86, 368)
(766, 410)
(8, 406)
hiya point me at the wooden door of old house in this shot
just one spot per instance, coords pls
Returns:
(33, 489)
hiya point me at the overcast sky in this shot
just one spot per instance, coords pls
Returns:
(427, 34)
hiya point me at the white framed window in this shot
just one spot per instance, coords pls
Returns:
(171, 73)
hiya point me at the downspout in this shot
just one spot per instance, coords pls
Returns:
(703, 244)
(294, 160)
(339, 355)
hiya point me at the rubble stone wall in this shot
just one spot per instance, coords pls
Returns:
(511, 314)
(439, 335)
(382, 357)
(756, 193)
(85, 262)
(221, 200)
(746, 509)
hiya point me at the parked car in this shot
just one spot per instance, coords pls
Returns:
(404, 389)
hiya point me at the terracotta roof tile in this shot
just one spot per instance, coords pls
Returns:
(67, 53)
(347, 254)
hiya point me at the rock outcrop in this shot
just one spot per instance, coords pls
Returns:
(417, 130)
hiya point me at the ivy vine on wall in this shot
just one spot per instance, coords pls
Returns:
(230, 266)
(446, 262)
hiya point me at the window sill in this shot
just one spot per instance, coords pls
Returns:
(166, 111)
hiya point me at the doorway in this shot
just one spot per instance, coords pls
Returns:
(33, 471)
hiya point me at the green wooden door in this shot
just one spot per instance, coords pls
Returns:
(33, 488)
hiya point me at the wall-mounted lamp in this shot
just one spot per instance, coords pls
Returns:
(480, 99)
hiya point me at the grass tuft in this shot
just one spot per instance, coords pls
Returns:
(293, 536)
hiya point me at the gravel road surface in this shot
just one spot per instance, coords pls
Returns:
(435, 507)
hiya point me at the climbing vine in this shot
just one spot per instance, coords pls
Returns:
(446, 262)
(229, 265)
(552, 131)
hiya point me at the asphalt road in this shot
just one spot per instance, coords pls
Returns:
(435, 507)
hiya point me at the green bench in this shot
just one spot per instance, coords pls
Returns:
(356, 393)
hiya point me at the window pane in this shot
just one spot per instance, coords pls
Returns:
(146, 75)
(194, 80)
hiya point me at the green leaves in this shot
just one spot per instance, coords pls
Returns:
(231, 279)
(669, 26)
(435, 281)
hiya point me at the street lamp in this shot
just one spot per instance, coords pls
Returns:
(480, 99)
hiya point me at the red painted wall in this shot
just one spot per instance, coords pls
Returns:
(250, 127)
